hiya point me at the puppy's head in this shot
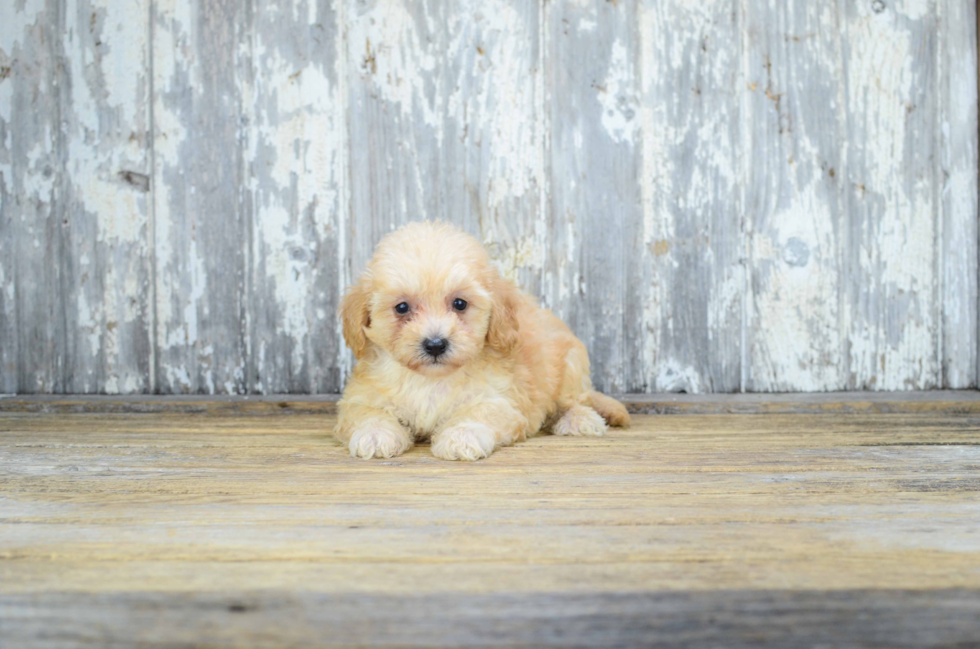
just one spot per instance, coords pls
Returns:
(431, 299)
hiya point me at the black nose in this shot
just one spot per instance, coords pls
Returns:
(435, 347)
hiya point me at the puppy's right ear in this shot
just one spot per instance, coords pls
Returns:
(356, 315)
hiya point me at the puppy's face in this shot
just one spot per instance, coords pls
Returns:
(430, 318)
(427, 299)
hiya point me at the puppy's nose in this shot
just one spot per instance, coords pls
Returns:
(435, 347)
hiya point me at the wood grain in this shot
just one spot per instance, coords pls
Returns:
(190, 530)
(298, 183)
(793, 203)
(34, 207)
(886, 618)
(74, 161)
(959, 209)
(892, 310)
(201, 65)
(595, 211)
(443, 123)
(692, 140)
(105, 117)
(399, 88)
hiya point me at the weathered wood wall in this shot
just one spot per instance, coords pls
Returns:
(718, 195)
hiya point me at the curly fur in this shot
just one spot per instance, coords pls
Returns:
(512, 369)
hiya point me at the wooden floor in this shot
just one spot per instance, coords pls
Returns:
(174, 529)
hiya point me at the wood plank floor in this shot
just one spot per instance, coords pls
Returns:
(177, 529)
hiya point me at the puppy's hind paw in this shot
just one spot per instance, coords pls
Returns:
(469, 441)
(379, 440)
(580, 421)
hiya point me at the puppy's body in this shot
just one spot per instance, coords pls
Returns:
(509, 368)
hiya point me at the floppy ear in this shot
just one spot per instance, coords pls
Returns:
(354, 311)
(502, 334)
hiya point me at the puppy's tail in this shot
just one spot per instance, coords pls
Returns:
(611, 410)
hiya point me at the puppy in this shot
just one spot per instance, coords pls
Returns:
(450, 351)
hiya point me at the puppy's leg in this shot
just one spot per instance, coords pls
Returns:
(369, 432)
(580, 421)
(586, 412)
(477, 432)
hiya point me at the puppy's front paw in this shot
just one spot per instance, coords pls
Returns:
(581, 421)
(379, 440)
(467, 441)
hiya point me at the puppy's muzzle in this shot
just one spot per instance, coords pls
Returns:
(435, 347)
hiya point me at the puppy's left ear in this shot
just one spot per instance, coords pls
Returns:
(502, 334)
(356, 315)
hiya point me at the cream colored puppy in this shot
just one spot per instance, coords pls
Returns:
(450, 351)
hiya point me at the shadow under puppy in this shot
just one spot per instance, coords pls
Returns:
(448, 350)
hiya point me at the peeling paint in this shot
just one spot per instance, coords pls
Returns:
(715, 197)
(794, 336)
(690, 180)
(892, 314)
(672, 377)
(397, 60)
(617, 97)
(296, 153)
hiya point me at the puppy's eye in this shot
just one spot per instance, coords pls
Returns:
(402, 308)
(459, 305)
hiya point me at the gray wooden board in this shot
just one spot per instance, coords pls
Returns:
(701, 620)
(106, 256)
(891, 304)
(201, 68)
(34, 208)
(74, 107)
(959, 208)
(693, 127)
(792, 157)
(443, 122)
(722, 197)
(595, 211)
(297, 182)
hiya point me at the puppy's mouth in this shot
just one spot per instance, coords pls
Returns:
(437, 365)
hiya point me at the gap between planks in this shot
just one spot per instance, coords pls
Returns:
(938, 401)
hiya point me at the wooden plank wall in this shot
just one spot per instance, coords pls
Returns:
(718, 196)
